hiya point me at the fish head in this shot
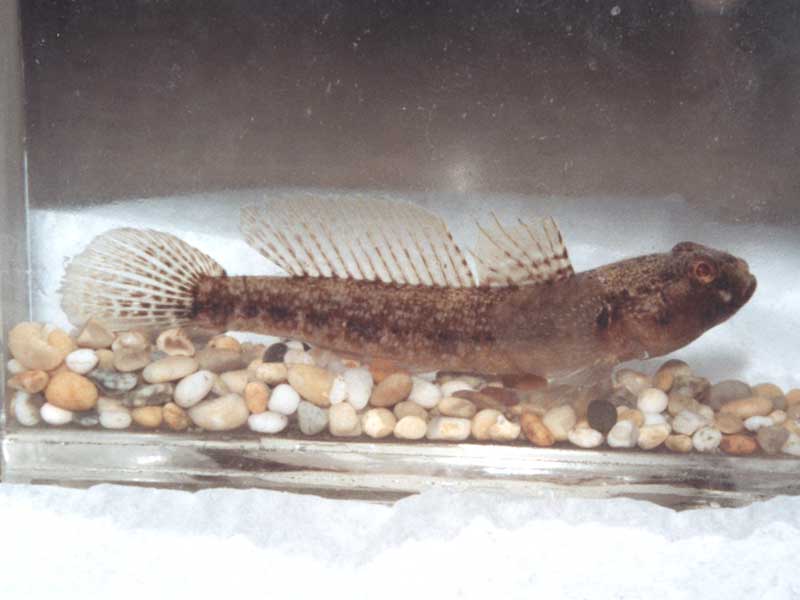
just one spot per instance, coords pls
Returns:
(685, 292)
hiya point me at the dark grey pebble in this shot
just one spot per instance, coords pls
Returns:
(114, 382)
(694, 387)
(155, 394)
(723, 392)
(602, 415)
(89, 419)
(772, 439)
(622, 397)
(275, 353)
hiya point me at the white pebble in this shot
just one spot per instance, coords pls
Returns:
(652, 436)
(81, 361)
(706, 439)
(652, 400)
(171, 368)
(448, 428)
(193, 388)
(26, 409)
(294, 356)
(284, 399)
(359, 387)
(311, 418)
(424, 393)
(503, 430)
(343, 420)
(115, 419)
(267, 422)
(451, 406)
(654, 419)
(410, 428)
(338, 391)
(585, 437)
(792, 445)
(54, 415)
(451, 387)
(559, 420)
(14, 367)
(295, 345)
(687, 422)
(220, 414)
(378, 422)
(755, 423)
(624, 434)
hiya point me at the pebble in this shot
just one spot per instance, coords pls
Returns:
(32, 382)
(235, 381)
(748, 407)
(338, 391)
(633, 381)
(296, 345)
(679, 443)
(175, 417)
(311, 418)
(630, 414)
(524, 383)
(225, 342)
(105, 359)
(407, 408)
(535, 430)
(652, 400)
(271, 373)
(585, 437)
(294, 356)
(220, 414)
(424, 393)
(55, 415)
(149, 417)
(219, 360)
(193, 388)
(393, 389)
(778, 417)
(114, 382)
(131, 339)
(723, 392)
(448, 428)
(792, 445)
(767, 390)
(793, 397)
(14, 367)
(267, 422)
(757, 422)
(455, 385)
(127, 360)
(87, 419)
(275, 353)
(175, 342)
(252, 352)
(117, 418)
(666, 374)
(71, 391)
(559, 421)
(343, 420)
(679, 402)
(481, 400)
(706, 439)
(687, 422)
(621, 397)
(771, 439)
(624, 434)
(738, 444)
(358, 383)
(59, 339)
(378, 422)
(256, 396)
(171, 368)
(29, 344)
(504, 430)
(504, 396)
(284, 399)
(312, 383)
(652, 436)
(95, 335)
(410, 428)
(483, 421)
(654, 418)
(27, 408)
(150, 395)
(81, 361)
(728, 424)
(601, 415)
(696, 387)
(451, 406)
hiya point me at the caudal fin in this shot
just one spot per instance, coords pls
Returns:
(135, 278)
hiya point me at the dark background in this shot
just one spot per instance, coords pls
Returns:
(148, 98)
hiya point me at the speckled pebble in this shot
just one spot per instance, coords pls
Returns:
(395, 388)
(585, 437)
(343, 420)
(652, 400)
(81, 361)
(311, 418)
(624, 434)
(706, 439)
(424, 393)
(449, 429)
(113, 382)
(267, 422)
(358, 383)
(193, 388)
(220, 414)
(55, 415)
(559, 421)
(679, 443)
(378, 422)
(771, 439)
(601, 415)
(451, 406)
(150, 395)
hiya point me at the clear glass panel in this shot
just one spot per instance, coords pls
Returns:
(635, 126)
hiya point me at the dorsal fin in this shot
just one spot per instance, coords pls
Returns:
(356, 237)
(528, 253)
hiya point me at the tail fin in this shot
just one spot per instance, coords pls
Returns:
(135, 278)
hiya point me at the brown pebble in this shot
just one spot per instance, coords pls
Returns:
(147, 416)
(312, 383)
(28, 345)
(679, 443)
(71, 391)
(381, 369)
(391, 390)
(251, 352)
(175, 417)
(58, 338)
(748, 407)
(728, 424)
(225, 342)
(535, 430)
(793, 397)
(665, 376)
(767, 390)
(105, 359)
(32, 382)
(726, 391)
(738, 444)
(630, 414)
(95, 335)
(220, 360)
(256, 396)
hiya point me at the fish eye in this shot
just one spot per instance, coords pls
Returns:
(704, 271)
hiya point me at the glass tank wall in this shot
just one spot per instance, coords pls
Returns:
(463, 340)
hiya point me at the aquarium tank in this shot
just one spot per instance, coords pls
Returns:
(366, 249)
